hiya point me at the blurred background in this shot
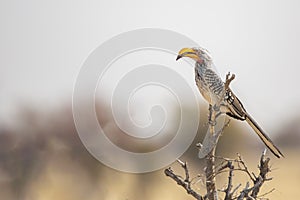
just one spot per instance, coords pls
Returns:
(44, 44)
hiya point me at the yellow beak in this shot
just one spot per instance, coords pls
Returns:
(187, 52)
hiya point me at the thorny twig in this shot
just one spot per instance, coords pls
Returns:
(185, 183)
(248, 192)
(230, 191)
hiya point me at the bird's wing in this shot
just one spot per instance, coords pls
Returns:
(234, 105)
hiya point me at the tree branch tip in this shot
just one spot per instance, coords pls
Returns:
(264, 152)
(269, 179)
(272, 190)
(229, 78)
(183, 164)
(199, 145)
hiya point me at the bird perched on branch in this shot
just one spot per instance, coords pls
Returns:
(215, 93)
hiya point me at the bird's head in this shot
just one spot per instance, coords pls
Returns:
(198, 54)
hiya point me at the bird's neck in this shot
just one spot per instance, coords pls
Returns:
(204, 64)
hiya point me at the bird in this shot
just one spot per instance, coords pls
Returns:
(213, 90)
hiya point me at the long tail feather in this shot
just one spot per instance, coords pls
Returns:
(263, 136)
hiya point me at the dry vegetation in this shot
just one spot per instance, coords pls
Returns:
(41, 157)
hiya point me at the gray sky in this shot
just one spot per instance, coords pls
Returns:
(44, 43)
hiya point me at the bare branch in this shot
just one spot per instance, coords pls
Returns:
(184, 166)
(265, 194)
(210, 176)
(244, 192)
(228, 80)
(228, 192)
(244, 167)
(185, 183)
(264, 170)
(236, 188)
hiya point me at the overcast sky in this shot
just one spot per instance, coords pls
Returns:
(44, 44)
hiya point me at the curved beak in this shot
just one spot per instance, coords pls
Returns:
(187, 52)
(178, 57)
